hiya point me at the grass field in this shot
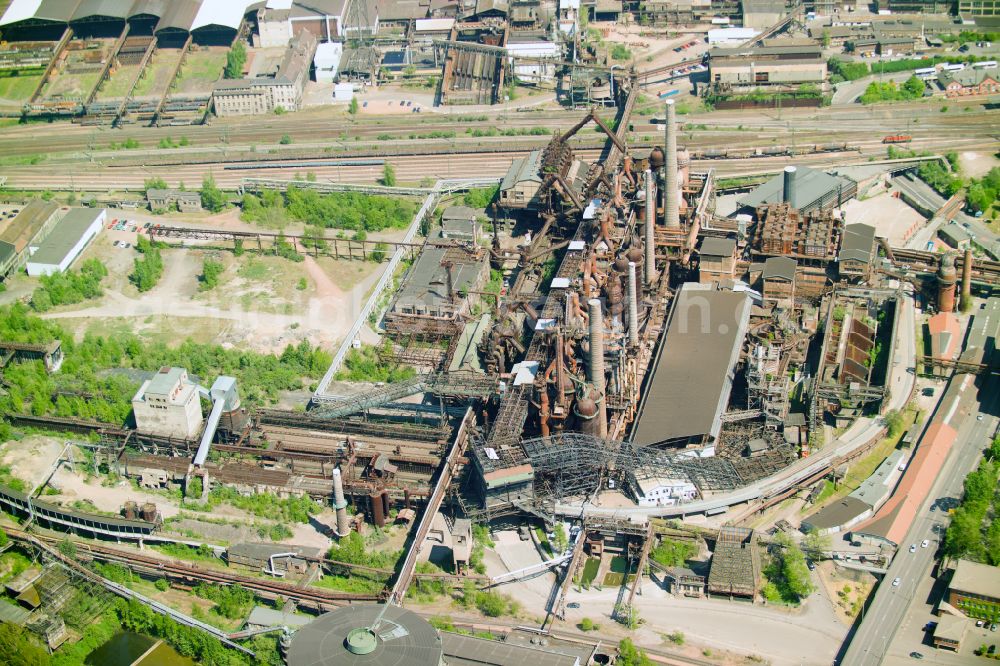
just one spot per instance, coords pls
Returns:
(66, 85)
(860, 470)
(17, 89)
(156, 78)
(118, 85)
(200, 70)
(590, 572)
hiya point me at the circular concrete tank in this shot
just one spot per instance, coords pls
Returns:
(349, 637)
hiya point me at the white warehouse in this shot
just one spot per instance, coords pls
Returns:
(71, 235)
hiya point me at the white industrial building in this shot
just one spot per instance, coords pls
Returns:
(660, 491)
(730, 36)
(326, 62)
(168, 405)
(534, 71)
(70, 236)
(278, 21)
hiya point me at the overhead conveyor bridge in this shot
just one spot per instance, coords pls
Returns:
(448, 384)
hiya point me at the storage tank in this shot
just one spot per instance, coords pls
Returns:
(130, 510)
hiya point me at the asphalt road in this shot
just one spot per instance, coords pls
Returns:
(886, 613)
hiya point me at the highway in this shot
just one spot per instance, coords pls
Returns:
(884, 615)
(859, 434)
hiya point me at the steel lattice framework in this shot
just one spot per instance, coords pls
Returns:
(573, 464)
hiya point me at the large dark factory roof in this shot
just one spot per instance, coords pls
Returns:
(342, 638)
(811, 185)
(692, 374)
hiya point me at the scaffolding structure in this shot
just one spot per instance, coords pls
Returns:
(768, 383)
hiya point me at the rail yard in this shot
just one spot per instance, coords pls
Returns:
(496, 333)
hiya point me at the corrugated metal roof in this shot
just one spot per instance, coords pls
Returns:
(20, 10)
(779, 267)
(22, 229)
(149, 8)
(810, 186)
(717, 247)
(224, 13)
(110, 8)
(858, 242)
(57, 10)
(976, 578)
(460, 650)
(692, 374)
(178, 15)
(66, 234)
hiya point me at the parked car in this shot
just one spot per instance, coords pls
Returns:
(916, 655)
(895, 581)
(116, 244)
(126, 245)
(980, 623)
(572, 604)
(925, 543)
(913, 547)
(993, 627)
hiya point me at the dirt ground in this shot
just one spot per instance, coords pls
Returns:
(892, 218)
(74, 486)
(31, 458)
(844, 591)
(258, 303)
(977, 164)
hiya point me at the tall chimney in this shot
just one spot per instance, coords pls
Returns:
(788, 186)
(967, 275)
(671, 211)
(340, 504)
(946, 278)
(648, 264)
(633, 307)
(596, 365)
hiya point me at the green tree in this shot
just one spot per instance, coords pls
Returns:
(285, 140)
(630, 655)
(787, 573)
(388, 175)
(559, 540)
(212, 198)
(67, 548)
(352, 108)
(894, 422)
(815, 544)
(19, 647)
(491, 604)
(154, 184)
(194, 489)
(235, 60)
(586, 624)
(913, 87)
(211, 269)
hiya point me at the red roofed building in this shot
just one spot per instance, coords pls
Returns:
(893, 520)
(945, 333)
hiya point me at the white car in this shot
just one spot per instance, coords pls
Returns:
(895, 581)
(913, 548)
(925, 543)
